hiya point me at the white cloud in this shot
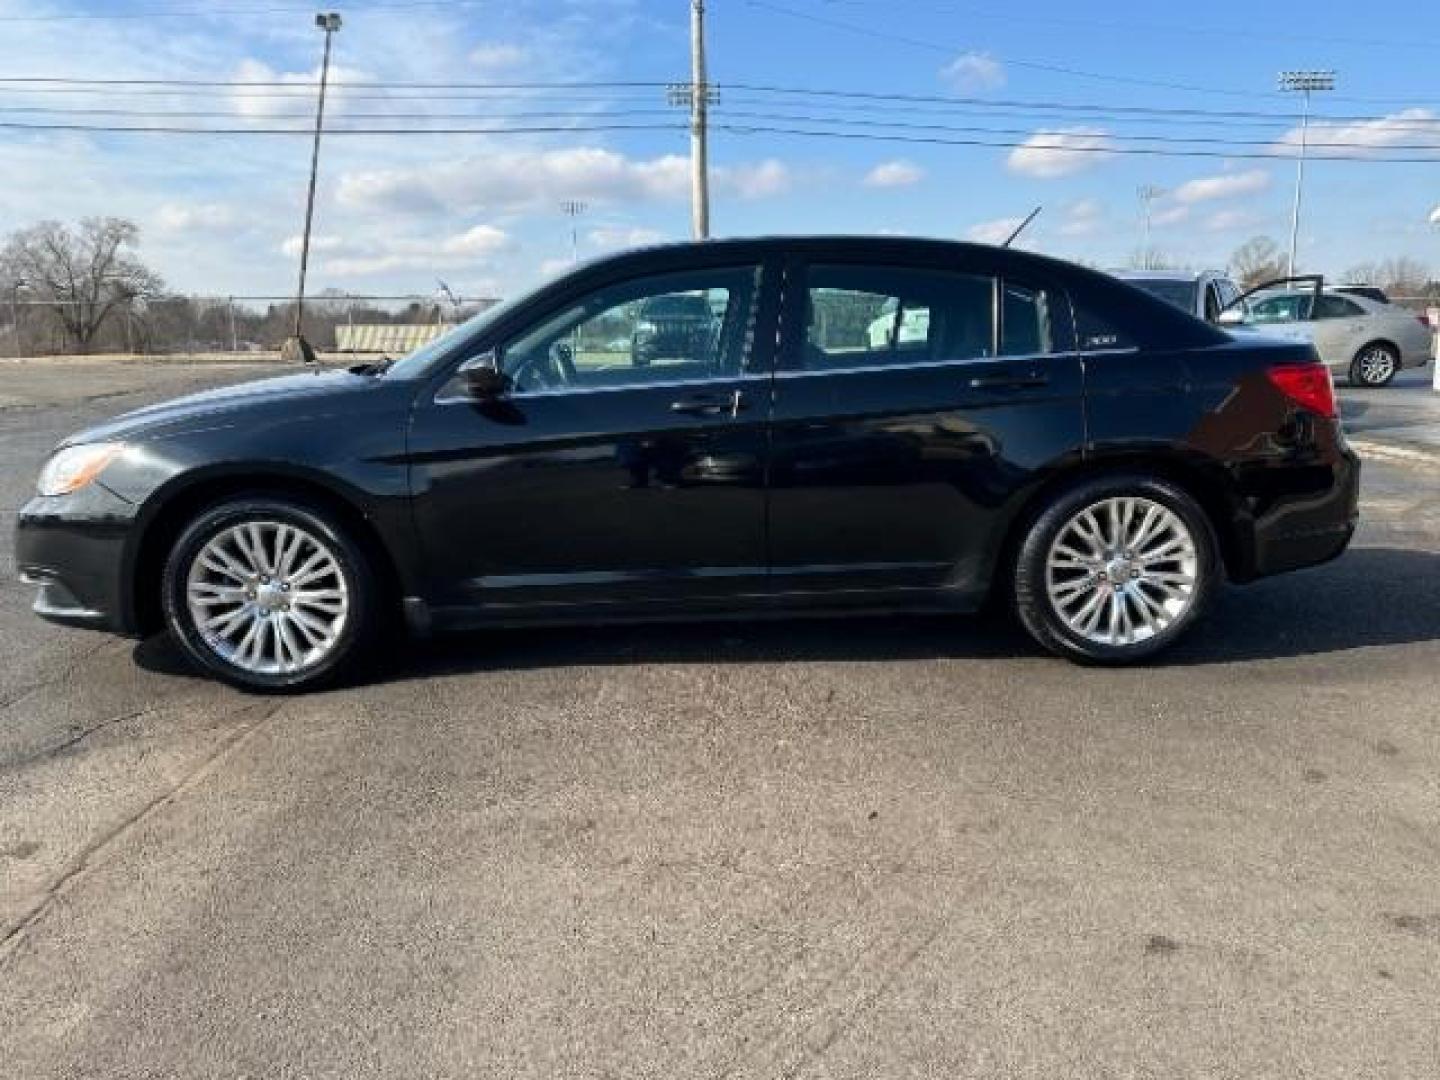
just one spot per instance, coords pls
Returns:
(532, 179)
(893, 174)
(1365, 137)
(974, 71)
(269, 102)
(758, 181)
(179, 218)
(553, 268)
(290, 246)
(492, 57)
(993, 232)
(1233, 219)
(1170, 215)
(1082, 218)
(1224, 186)
(480, 241)
(1049, 155)
(368, 254)
(622, 236)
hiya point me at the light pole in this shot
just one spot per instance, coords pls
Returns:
(1433, 314)
(573, 208)
(1304, 82)
(15, 311)
(1148, 193)
(297, 348)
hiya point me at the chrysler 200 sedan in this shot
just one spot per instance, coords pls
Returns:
(1055, 438)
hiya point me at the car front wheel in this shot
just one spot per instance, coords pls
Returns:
(1115, 569)
(269, 595)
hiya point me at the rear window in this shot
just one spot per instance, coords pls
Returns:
(1179, 293)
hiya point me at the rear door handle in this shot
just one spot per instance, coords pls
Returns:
(710, 404)
(1028, 381)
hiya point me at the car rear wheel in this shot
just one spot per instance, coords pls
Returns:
(1115, 569)
(269, 595)
(1374, 365)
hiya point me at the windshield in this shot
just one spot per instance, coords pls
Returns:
(1179, 293)
(417, 362)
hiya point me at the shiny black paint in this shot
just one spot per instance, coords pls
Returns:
(891, 488)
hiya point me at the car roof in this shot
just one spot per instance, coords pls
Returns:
(1186, 276)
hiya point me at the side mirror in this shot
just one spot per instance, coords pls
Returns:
(482, 378)
(1231, 317)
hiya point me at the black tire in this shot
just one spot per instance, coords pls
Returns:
(359, 627)
(1033, 602)
(1363, 368)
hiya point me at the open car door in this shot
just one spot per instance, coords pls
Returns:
(1241, 307)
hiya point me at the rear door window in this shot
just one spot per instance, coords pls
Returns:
(871, 316)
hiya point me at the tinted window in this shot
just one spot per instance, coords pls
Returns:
(1179, 293)
(1025, 321)
(864, 316)
(1278, 309)
(1336, 307)
(675, 327)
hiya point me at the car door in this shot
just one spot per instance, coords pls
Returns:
(892, 466)
(623, 466)
(1339, 329)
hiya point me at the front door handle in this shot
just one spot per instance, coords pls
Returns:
(1027, 381)
(710, 404)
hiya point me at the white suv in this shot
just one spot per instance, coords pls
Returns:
(1204, 294)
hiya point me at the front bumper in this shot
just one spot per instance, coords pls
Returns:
(75, 549)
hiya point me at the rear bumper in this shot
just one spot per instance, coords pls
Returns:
(74, 550)
(1312, 524)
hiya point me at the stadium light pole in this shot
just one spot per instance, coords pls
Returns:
(573, 208)
(1307, 83)
(15, 289)
(297, 347)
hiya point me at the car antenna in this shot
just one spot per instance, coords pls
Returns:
(1021, 227)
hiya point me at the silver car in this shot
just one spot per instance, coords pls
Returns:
(1355, 336)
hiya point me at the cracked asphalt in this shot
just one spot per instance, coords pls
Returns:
(880, 847)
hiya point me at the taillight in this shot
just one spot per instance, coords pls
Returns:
(1308, 385)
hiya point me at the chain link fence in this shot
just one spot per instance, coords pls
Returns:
(225, 326)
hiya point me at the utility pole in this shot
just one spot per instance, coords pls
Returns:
(1304, 82)
(1148, 193)
(297, 348)
(573, 208)
(698, 96)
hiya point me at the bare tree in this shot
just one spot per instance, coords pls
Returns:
(1257, 260)
(87, 272)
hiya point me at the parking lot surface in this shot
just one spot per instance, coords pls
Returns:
(863, 848)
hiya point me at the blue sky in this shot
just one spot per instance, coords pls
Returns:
(219, 214)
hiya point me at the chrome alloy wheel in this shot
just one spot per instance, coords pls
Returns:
(1376, 364)
(1122, 570)
(268, 597)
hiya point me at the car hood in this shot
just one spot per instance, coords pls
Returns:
(307, 392)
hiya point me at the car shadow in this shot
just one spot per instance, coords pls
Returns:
(1368, 597)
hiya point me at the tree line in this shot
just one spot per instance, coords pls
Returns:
(85, 289)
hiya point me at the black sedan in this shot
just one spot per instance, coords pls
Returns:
(1023, 428)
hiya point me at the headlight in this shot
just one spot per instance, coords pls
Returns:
(75, 466)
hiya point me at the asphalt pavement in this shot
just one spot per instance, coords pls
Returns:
(864, 848)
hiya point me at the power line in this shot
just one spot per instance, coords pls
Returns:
(207, 12)
(1134, 27)
(1146, 151)
(949, 50)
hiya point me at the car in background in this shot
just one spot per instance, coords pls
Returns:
(1204, 294)
(913, 324)
(672, 327)
(1369, 292)
(1081, 452)
(1366, 341)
